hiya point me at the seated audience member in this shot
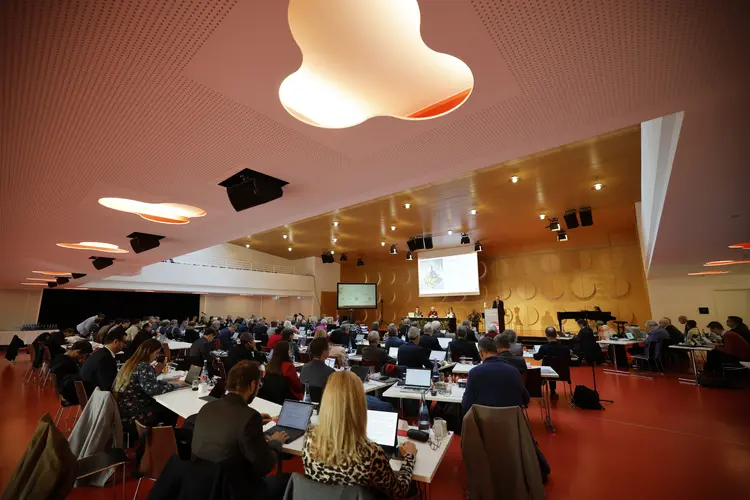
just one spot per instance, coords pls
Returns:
(86, 327)
(436, 330)
(337, 451)
(373, 353)
(491, 331)
(120, 324)
(274, 336)
(585, 342)
(683, 321)
(715, 328)
(334, 351)
(135, 388)
(225, 337)
(502, 344)
(244, 351)
(403, 329)
(692, 331)
(375, 326)
(100, 369)
(427, 341)
(675, 335)
(516, 349)
(281, 364)
(736, 325)
(229, 432)
(463, 348)
(66, 369)
(102, 333)
(56, 340)
(288, 324)
(133, 329)
(656, 334)
(260, 331)
(173, 331)
(411, 354)
(201, 349)
(552, 349)
(340, 336)
(191, 333)
(145, 334)
(604, 331)
(316, 372)
(287, 335)
(393, 339)
(471, 335)
(494, 382)
(734, 350)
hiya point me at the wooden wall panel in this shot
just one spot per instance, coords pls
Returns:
(534, 286)
(328, 304)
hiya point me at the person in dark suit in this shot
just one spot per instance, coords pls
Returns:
(66, 369)
(143, 335)
(340, 336)
(316, 372)
(428, 342)
(120, 324)
(675, 335)
(462, 347)
(225, 337)
(230, 433)
(373, 353)
(502, 344)
(411, 354)
(500, 306)
(201, 349)
(191, 334)
(587, 346)
(100, 369)
(259, 331)
(552, 349)
(493, 383)
(244, 351)
(403, 330)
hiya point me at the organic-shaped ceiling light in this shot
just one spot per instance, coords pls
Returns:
(165, 213)
(366, 58)
(95, 246)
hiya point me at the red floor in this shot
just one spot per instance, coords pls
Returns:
(659, 439)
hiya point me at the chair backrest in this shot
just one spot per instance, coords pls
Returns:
(160, 446)
(304, 488)
(83, 396)
(275, 389)
(46, 355)
(167, 352)
(316, 393)
(561, 366)
(373, 363)
(652, 349)
(534, 382)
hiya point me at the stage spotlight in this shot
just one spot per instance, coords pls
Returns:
(408, 256)
(327, 258)
(62, 281)
(77, 275)
(343, 258)
(100, 263)
(465, 239)
(562, 236)
(141, 242)
(393, 250)
(554, 225)
(477, 247)
(360, 262)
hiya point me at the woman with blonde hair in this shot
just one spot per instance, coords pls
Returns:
(337, 450)
(135, 386)
(334, 351)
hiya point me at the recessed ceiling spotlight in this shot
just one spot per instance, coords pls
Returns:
(393, 228)
(289, 249)
(382, 243)
(247, 246)
(94, 245)
(473, 211)
(450, 232)
(334, 240)
(343, 257)
(332, 252)
(744, 246)
(164, 213)
(542, 216)
(51, 273)
(285, 236)
(708, 273)
(407, 206)
(408, 256)
(598, 186)
(514, 179)
(360, 262)
(478, 247)
(393, 250)
(465, 239)
(562, 236)
(335, 223)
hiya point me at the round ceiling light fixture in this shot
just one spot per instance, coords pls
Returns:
(163, 213)
(473, 211)
(598, 186)
(514, 179)
(335, 223)
(542, 216)
(96, 246)
(407, 206)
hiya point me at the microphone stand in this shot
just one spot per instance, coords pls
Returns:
(593, 374)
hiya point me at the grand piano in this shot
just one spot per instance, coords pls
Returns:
(587, 315)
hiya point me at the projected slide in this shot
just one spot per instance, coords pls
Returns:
(357, 296)
(443, 274)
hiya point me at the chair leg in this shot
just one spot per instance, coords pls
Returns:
(137, 487)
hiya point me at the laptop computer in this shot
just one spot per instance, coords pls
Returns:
(293, 419)
(437, 355)
(218, 392)
(629, 335)
(362, 371)
(393, 352)
(444, 342)
(360, 337)
(417, 380)
(331, 362)
(382, 428)
(194, 373)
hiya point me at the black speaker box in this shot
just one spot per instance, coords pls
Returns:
(571, 220)
(101, 262)
(248, 188)
(428, 242)
(418, 243)
(62, 281)
(142, 242)
(412, 244)
(586, 218)
(327, 258)
(78, 275)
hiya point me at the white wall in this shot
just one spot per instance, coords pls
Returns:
(18, 307)
(238, 253)
(672, 297)
(267, 306)
(326, 276)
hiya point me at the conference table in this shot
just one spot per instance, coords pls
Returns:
(691, 349)
(615, 343)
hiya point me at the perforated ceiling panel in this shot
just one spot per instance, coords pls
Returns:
(159, 101)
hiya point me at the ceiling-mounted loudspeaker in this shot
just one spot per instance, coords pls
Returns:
(327, 258)
(360, 262)
(465, 239)
(78, 275)
(428, 242)
(52, 284)
(571, 219)
(248, 188)
(141, 242)
(62, 281)
(586, 218)
(412, 244)
(100, 263)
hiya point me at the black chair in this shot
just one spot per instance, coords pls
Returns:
(316, 393)
(275, 389)
(361, 371)
(562, 367)
(648, 357)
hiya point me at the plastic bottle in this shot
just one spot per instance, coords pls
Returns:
(307, 398)
(424, 416)
(204, 373)
(435, 372)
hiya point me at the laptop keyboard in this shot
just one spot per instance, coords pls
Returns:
(293, 434)
(411, 388)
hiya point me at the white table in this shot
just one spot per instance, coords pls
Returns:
(447, 365)
(177, 346)
(615, 343)
(746, 364)
(691, 350)
(27, 336)
(455, 397)
(374, 385)
(185, 402)
(462, 368)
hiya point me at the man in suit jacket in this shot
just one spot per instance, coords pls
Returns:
(462, 347)
(587, 346)
(225, 337)
(100, 370)
(494, 382)
(502, 343)
(316, 372)
(229, 432)
(403, 330)
(411, 355)
(260, 331)
(374, 353)
(191, 334)
(201, 349)
(552, 349)
(428, 342)
(500, 306)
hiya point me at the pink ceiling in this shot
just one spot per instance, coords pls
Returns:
(159, 101)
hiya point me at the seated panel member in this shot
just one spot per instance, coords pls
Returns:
(433, 313)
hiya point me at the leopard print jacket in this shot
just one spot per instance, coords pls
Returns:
(374, 471)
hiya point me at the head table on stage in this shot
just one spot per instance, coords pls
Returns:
(448, 324)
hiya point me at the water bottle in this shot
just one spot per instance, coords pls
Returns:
(307, 398)
(424, 416)
(448, 357)
(435, 372)
(204, 373)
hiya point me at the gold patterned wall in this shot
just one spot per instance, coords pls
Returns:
(534, 286)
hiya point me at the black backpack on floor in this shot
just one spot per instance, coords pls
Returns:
(586, 398)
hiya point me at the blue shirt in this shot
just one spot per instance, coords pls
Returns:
(494, 383)
(393, 342)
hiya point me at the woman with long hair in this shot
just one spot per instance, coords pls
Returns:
(136, 384)
(281, 364)
(337, 450)
(334, 351)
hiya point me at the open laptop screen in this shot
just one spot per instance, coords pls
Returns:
(393, 352)
(331, 362)
(437, 355)
(444, 342)
(419, 378)
(295, 414)
(382, 427)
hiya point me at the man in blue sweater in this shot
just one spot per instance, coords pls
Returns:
(494, 382)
